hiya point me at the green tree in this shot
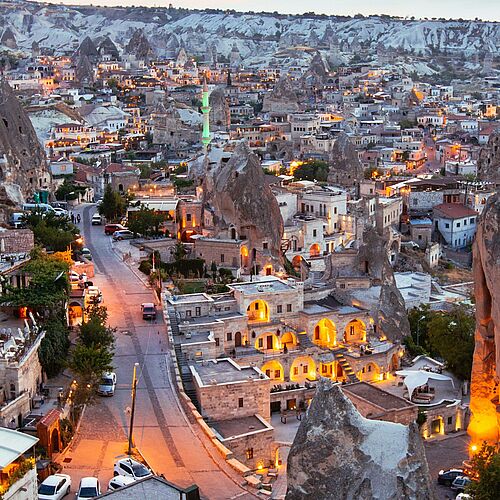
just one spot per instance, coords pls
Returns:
(179, 252)
(68, 190)
(312, 170)
(94, 330)
(54, 347)
(451, 337)
(485, 469)
(146, 221)
(112, 206)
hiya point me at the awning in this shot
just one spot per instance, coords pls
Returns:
(417, 378)
(13, 444)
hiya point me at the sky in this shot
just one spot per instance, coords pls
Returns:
(467, 9)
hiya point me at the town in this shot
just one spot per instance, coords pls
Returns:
(227, 274)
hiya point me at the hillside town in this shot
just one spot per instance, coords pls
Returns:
(223, 275)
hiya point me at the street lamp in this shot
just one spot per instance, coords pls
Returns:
(134, 390)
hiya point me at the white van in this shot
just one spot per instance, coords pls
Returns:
(43, 207)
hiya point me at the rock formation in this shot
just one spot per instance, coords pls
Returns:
(485, 404)
(8, 39)
(87, 48)
(139, 45)
(345, 167)
(237, 194)
(282, 99)
(23, 166)
(84, 70)
(337, 454)
(316, 74)
(220, 116)
(488, 163)
(108, 48)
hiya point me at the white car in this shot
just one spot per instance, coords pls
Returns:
(94, 294)
(96, 220)
(119, 482)
(60, 212)
(131, 468)
(89, 488)
(107, 385)
(54, 487)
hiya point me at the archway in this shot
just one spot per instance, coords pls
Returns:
(325, 333)
(303, 368)
(258, 310)
(186, 235)
(288, 339)
(268, 270)
(244, 256)
(233, 233)
(120, 188)
(237, 339)
(394, 365)
(54, 441)
(327, 370)
(267, 341)
(274, 370)
(355, 331)
(75, 313)
(296, 261)
(369, 373)
(314, 250)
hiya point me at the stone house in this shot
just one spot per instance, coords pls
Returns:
(455, 224)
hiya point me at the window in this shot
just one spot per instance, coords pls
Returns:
(188, 217)
(249, 453)
(305, 368)
(277, 373)
(334, 210)
(265, 245)
(289, 308)
(369, 368)
(295, 370)
(229, 336)
(458, 224)
(447, 226)
(473, 219)
(240, 402)
(188, 314)
(222, 257)
(260, 343)
(279, 309)
(351, 329)
(198, 311)
(450, 420)
(342, 285)
(419, 236)
(315, 232)
(217, 343)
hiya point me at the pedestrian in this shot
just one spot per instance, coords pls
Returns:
(78, 218)
(72, 217)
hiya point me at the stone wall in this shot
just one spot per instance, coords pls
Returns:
(225, 253)
(17, 241)
(221, 401)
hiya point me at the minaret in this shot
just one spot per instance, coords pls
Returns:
(205, 109)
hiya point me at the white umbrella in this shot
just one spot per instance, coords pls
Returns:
(417, 378)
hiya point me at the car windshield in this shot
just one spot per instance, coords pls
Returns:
(87, 492)
(140, 470)
(46, 489)
(106, 381)
(148, 309)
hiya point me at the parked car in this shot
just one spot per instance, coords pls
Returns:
(447, 476)
(131, 468)
(60, 212)
(463, 496)
(109, 229)
(107, 385)
(119, 482)
(89, 488)
(148, 310)
(125, 234)
(460, 483)
(86, 253)
(96, 220)
(74, 277)
(94, 294)
(54, 487)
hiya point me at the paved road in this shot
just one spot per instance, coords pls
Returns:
(169, 442)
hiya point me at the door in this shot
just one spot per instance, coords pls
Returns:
(291, 404)
(237, 339)
(269, 342)
(275, 406)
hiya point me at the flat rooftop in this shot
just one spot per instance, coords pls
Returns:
(262, 286)
(376, 396)
(190, 298)
(224, 371)
(238, 426)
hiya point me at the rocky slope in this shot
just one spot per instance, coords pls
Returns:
(338, 454)
(238, 196)
(23, 166)
(345, 167)
(485, 421)
(258, 37)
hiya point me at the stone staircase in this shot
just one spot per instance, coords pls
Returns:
(187, 381)
(346, 367)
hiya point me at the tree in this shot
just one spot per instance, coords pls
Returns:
(312, 170)
(179, 252)
(54, 347)
(94, 330)
(69, 191)
(112, 206)
(146, 221)
(485, 469)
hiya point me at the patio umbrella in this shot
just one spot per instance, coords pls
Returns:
(416, 378)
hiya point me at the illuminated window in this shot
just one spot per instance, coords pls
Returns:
(249, 453)
(305, 368)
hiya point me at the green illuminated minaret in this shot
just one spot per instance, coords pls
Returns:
(205, 109)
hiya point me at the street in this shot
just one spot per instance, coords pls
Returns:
(170, 443)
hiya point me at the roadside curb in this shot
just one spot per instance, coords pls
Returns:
(137, 273)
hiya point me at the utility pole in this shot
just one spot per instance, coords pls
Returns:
(134, 390)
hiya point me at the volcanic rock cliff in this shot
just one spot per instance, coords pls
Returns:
(282, 99)
(488, 163)
(485, 404)
(220, 116)
(23, 166)
(139, 45)
(337, 454)
(345, 167)
(237, 194)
